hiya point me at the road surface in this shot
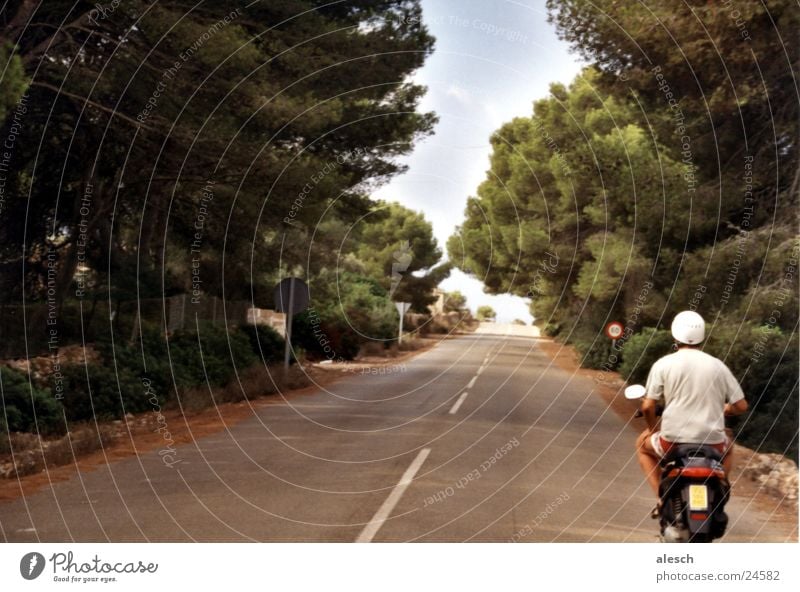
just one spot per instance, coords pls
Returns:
(480, 438)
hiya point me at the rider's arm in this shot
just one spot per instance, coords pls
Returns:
(649, 411)
(736, 408)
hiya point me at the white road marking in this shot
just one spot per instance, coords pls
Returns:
(480, 370)
(457, 404)
(374, 525)
(472, 382)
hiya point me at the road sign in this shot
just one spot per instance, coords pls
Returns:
(402, 309)
(291, 297)
(291, 293)
(614, 330)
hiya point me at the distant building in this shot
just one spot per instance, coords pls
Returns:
(437, 308)
(262, 316)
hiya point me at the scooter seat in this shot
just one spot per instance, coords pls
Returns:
(695, 450)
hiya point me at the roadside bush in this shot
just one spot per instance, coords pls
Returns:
(146, 358)
(765, 360)
(438, 328)
(265, 341)
(596, 351)
(551, 329)
(103, 392)
(210, 354)
(325, 339)
(27, 408)
(118, 385)
(641, 351)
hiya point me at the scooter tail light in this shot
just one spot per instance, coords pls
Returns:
(696, 473)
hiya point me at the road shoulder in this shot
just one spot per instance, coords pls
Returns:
(139, 434)
(782, 513)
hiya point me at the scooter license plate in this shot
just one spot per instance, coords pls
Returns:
(698, 497)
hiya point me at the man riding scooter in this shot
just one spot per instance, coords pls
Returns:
(696, 391)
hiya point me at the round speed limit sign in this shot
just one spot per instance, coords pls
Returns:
(614, 330)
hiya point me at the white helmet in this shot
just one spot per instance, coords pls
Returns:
(688, 327)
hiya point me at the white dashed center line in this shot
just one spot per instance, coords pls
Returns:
(458, 402)
(374, 525)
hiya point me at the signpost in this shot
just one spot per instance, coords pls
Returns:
(614, 331)
(402, 309)
(291, 297)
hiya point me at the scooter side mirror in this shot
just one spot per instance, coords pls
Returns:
(635, 391)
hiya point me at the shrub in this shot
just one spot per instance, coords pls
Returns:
(765, 360)
(120, 385)
(28, 408)
(265, 342)
(326, 339)
(551, 329)
(209, 354)
(641, 351)
(103, 392)
(147, 358)
(596, 351)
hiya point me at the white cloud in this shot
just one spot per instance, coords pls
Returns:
(459, 93)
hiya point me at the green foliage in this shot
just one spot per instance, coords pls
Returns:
(326, 339)
(641, 351)
(765, 359)
(12, 76)
(135, 377)
(103, 392)
(330, 88)
(211, 355)
(725, 76)
(455, 302)
(561, 209)
(485, 313)
(396, 247)
(28, 408)
(635, 192)
(266, 342)
(596, 351)
(347, 313)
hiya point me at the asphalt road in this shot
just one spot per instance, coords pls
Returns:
(479, 439)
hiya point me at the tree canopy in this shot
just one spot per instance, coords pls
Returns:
(664, 177)
(173, 145)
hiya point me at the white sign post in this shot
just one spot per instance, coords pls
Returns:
(402, 309)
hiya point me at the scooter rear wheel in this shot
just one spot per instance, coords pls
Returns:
(700, 537)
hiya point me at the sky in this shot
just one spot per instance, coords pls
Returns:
(493, 59)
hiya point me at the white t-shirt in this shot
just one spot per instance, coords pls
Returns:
(694, 388)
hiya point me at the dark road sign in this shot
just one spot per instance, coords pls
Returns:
(286, 298)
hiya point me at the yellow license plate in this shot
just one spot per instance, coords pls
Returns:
(698, 497)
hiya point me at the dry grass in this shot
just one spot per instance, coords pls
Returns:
(413, 343)
(372, 349)
(31, 453)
